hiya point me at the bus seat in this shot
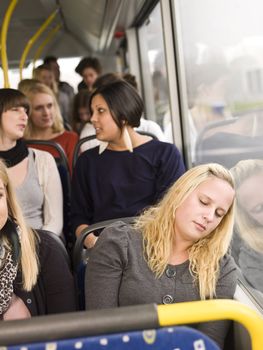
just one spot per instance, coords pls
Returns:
(80, 254)
(153, 326)
(67, 126)
(77, 149)
(228, 149)
(59, 243)
(183, 338)
(216, 144)
(63, 169)
(147, 133)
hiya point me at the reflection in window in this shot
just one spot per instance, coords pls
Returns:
(247, 247)
(223, 60)
(154, 72)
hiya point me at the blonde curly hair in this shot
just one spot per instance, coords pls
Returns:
(29, 259)
(157, 227)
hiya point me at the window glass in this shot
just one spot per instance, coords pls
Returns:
(154, 73)
(67, 72)
(222, 45)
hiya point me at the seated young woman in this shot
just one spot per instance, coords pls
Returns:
(128, 171)
(45, 121)
(176, 251)
(35, 277)
(33, 173)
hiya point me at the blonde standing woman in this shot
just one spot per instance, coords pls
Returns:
(35, 278)
(176, 251)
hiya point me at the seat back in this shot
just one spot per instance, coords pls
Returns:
(131, 327)
(77, 149)
(80, 254)
(67, 126)
(59, 243)
(218, 145)
(147, 133)
(79, 249)
(63, 169)
(183, 338)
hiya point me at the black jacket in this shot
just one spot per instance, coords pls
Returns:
(55, 288)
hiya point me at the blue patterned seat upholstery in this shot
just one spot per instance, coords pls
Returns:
(168, 338)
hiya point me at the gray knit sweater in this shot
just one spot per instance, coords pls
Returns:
(118, 275)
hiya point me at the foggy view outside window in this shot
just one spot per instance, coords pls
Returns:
(222, 44)
(67, 69)
(154, 72)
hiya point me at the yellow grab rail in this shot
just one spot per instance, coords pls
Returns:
(49, 37)
(32, 40)
(5, 25)
(211, 310)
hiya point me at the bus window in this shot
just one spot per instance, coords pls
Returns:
(223, 73)
(222, 51)
(153, 68)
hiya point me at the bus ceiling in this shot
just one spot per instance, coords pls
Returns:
(80, 28)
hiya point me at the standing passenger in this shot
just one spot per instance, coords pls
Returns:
(90, 69)
(128, 171)
(175, 252)
(45, 121)
(33, 173)
(52, 63)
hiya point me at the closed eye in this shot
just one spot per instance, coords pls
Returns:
(219, 214)
(203, 202)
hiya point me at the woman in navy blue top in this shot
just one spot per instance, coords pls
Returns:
(128, 171)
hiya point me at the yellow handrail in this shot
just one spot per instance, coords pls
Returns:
(32, 40)
(5, 25)
(210, 310)
(49, 37)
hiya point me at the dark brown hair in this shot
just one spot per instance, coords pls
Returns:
(124, 102)
(89, 62)
(10, 98)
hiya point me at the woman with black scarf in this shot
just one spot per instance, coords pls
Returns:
(33, 173)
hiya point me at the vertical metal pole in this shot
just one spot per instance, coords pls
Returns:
(4, 30)
(32, 40)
